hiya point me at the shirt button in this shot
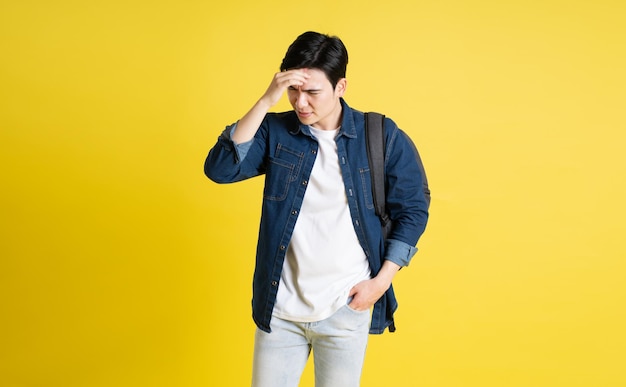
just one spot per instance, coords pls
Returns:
(314, 151)
(294, 212)
(274, 283)
(304, 182)
(282, 247)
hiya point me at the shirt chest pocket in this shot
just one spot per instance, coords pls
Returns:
(282, 169)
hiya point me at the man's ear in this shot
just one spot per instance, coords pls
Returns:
(340, 89)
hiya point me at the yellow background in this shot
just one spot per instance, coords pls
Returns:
(122, 265)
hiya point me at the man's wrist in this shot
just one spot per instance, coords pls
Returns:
(386, 274)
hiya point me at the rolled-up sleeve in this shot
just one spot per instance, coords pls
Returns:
(241, 149)
(399, 252)
(407, 200)
(224, 163)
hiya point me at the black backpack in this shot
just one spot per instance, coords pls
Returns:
(375, 132)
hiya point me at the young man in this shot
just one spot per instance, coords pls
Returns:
(323, 272)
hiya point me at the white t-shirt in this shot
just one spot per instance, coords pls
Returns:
(324, 259)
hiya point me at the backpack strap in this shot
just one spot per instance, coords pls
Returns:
(375, 139)
(375, 136)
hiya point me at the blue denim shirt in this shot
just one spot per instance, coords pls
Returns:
(283, 150)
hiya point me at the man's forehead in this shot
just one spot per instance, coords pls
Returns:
(317, 79)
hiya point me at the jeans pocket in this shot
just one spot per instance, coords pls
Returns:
(352, 309)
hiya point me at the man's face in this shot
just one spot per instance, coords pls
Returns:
(316, 102)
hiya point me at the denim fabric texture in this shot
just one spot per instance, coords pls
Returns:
(283, 150)
(338, 344)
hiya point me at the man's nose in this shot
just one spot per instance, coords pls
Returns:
(301, 100)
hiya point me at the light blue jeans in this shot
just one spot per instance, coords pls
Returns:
(338, 345)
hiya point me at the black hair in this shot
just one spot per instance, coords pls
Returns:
(318, 51)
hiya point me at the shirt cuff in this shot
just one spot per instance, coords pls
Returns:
(241, 149)
(399, 252)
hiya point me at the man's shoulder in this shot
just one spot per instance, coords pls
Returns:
(360, 115)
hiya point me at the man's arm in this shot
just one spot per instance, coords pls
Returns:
(225, 161)
(250, 123)
(408, 202)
